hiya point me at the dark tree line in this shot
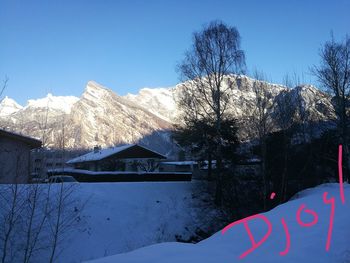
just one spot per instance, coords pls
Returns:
(294, 148)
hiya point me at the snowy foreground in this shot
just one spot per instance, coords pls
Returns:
(120, 217)
(307, 244)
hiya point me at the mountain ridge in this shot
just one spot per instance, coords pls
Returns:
(102, 117)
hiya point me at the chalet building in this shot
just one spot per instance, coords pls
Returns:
(15, 151)
(131, 157)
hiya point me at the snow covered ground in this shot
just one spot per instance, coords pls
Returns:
(120, 217)
(307, 244)
(108, 218)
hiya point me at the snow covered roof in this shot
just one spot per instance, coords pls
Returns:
(69, 171)
(179, 163)
(122, 152)
(33, 143)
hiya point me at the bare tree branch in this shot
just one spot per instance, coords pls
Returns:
(214, 55)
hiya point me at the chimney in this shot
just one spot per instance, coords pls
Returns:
(96, 149)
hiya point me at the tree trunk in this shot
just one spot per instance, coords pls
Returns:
(263, 171)
(219, 176)
(284, 183)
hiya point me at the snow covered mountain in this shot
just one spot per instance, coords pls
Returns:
(60, 103)
(98, 117)
(159, 101)
(314, 102)
(101, 117)
(9, 106)
(104, 118)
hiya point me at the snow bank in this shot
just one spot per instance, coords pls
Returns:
(307, 244)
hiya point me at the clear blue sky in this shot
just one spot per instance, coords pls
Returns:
(57, 46)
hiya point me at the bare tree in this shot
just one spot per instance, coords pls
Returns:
(10, 218)
(262, 123)
(62, 217)
(148, 165)
(285, 110)
(2, 89)
(4, 85)
(333, 74)
(214, 55)
(12, 204)
(34, 220)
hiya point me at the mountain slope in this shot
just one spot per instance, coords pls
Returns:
(159, 101)
(101, 117)
(105, 118)
(98, 117)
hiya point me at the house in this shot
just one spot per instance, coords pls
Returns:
(131, 157)
(127, 163)
(15, 151)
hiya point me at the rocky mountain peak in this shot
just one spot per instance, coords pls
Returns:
(95, 91)
(9, 106)
(305, 88)
(9, 102)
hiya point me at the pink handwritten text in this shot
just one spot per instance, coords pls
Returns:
(302, 209)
